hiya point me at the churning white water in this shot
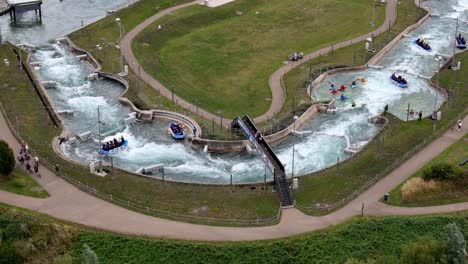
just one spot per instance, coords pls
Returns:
(331, 137)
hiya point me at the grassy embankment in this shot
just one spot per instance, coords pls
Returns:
(452, 190)
(457, 83)
(105, 32)
(295, 81)
(21, 183)
(332, 185)
(223, 60)
(20, 101)
(33, 237)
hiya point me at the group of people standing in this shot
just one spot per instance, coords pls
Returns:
(24, 158)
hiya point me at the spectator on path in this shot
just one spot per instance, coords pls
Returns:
(21, 159)
(420, 115)
(36, 169)
(56, 167)
(194, 131)
(28, 167)
(459, 125)
(385, 109)
(26, 149)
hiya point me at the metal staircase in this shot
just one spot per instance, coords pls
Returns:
(269, 158)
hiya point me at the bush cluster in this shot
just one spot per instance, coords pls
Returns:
(442, 171)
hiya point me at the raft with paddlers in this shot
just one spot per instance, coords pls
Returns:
(176, 131)
(113, 146)
(422, 43)
(461, 42)
(399, 81)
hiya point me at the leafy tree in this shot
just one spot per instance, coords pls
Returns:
(426, 250)
(439, 171)
(89, 257)
(7, 158)
(455, 242)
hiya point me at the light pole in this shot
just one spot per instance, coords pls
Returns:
(434, 114)
(373, 26)
(99, 136)
(294, 146)
(120, 42)
(455, 45)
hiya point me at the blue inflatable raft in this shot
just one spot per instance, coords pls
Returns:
(429, 50)
(176, 131)
(114, 150)
(399, 84)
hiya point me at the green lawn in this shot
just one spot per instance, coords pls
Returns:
(456, 191)
(360, 238)
(328, 187)
(105, 33)
(224, 60)
(295, 81)
(20, 101)
(21, 183)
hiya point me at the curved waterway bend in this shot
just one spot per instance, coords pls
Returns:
(330, 135)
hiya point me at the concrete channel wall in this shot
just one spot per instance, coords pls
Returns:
(222, 146)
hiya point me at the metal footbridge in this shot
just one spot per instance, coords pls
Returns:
(269, 158)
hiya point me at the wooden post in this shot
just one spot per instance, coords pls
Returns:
(338, 166)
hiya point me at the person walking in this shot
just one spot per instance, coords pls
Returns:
(420, 115)
(28, 167)
(459, 125)
(385, 109)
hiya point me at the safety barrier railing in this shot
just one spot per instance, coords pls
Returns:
(386, 171)
(135, 205)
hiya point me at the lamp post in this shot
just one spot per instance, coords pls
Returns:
(120, 42)
(455, 45)
(99, 135)
(434, 114)
(294, 146)
(373, 26)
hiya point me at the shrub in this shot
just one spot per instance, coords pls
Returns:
(89, 257)
(440, 171)
(7, 158)
(417, 186)
(425, 250)
(455, 242)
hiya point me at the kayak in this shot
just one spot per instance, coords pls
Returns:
(333, 91)
(114, 150)
(342, 88)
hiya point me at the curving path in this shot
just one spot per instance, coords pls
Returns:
(274, 80)
(71, 204)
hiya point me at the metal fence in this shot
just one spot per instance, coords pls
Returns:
(84, 186)
(385, 172)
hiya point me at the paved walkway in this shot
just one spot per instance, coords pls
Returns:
(71, 204)
(274, 80)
